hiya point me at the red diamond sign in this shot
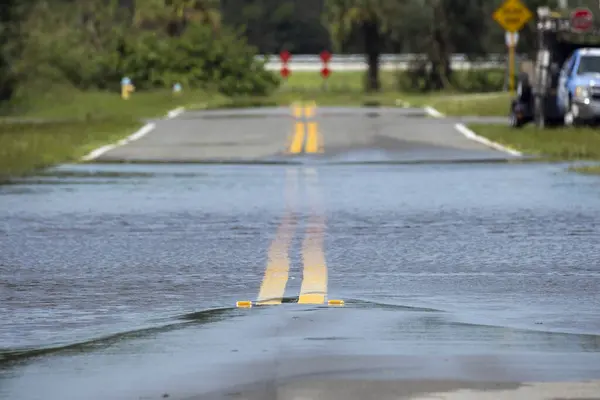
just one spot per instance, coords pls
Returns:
(285, 56)
(285, 72)
(325, 56)
(582, 19)
(325, 72)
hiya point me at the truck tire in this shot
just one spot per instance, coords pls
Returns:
(514, 121)
(570, 119)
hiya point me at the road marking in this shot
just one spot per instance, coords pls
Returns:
(276, 274)
(469, 134)
(313, 141)
(310, 110)
(140, 133)
(298, 139)
(433, 112)
(298, 110)
(314, 280)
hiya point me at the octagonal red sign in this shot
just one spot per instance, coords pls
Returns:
(325, 56)
(582, 19)
(285, 56)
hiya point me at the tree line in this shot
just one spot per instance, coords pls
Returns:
(213, 43)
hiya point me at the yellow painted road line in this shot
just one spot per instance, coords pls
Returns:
(313, 142)
(310, 110)
(314, 280)
(298, 110)
(298, 139)
(277, 272)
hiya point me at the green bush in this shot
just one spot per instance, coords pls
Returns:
(197, 59)
(59, 48)
(466, 81)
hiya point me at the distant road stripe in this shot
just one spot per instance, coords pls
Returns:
(312, 140)
(276, 274)
(298, 139)
(314, 279)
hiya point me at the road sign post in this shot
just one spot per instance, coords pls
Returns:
(512, 15)
(285, 56)
(325, 71)
(512, 38)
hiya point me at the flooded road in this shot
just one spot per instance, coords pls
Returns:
(121, 281)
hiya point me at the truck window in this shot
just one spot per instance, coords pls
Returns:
(589, 64)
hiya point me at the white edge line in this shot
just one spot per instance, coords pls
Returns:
(469, 134)
(140, 133)
(433, 112)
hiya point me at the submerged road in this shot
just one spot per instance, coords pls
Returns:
(342, 254)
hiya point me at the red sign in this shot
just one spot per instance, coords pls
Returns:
(285, 56)
(325, 72)
(285, 72)
(582, 19)
(325, 56)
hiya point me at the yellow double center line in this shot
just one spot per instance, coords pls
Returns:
(278, 265)
(314, 282)
(313, 289)
(306, 137)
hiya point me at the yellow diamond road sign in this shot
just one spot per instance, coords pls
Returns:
(512, 15)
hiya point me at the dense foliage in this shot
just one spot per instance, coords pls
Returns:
(93, 45)
(212, 43)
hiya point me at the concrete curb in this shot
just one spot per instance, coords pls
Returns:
(140, 133)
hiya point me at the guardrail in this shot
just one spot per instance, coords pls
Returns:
(357, 62)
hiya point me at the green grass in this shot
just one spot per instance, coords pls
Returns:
(71, 104)
(27, 147)
(72, 123)
(344, 81)
(559, 144)
(587, 169)
(485, 104)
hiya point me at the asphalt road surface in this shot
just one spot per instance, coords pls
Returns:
(304, 253)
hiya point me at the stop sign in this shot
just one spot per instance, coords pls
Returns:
(325, 56)
(582, 19)
(285, 72)
(325, 72)
(285, 56)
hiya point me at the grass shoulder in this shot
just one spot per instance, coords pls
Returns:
(558, 144)
(463, 104)
(586, 169)
(64, 125)
(29, 146)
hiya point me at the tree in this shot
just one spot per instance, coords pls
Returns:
(372, 18)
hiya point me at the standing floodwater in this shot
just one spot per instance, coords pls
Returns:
(487, 260)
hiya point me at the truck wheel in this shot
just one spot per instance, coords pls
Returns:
(514, 121)
(570, 119)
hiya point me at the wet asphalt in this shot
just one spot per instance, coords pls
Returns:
(462, 276)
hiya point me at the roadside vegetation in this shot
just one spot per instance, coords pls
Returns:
(62, 62)
(558, 144)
